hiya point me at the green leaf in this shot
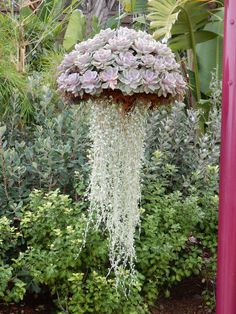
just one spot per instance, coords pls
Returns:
(114, 21)
(135, 6)
(2, 130)
(50, 9)
(25, 12)
(128, 5)
(183, 42)
(182, 23)
(163, 15)
(96, 27)
(210, 53)
(76, 29)
(177, 17)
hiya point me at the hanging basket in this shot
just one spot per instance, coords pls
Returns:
(124, 65)
(119, 71)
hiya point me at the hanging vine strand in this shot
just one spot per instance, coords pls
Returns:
(116, 160)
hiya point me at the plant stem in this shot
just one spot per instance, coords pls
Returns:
(21, 49)
(195, 62)
(218, 39)
(5, 180)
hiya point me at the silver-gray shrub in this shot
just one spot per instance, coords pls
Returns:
(49, 152)
(176, 147)
(46, 154)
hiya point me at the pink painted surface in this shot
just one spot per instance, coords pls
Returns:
(226, 273)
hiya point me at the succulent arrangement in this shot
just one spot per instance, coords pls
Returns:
(114, 72)
(122, 61)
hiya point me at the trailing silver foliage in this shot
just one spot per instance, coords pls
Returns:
(116, 158)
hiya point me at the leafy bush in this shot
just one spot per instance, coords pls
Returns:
(179, 209)
(11, 287)
(54, 228)
(176, 234)
(176, 149)
(44, 155)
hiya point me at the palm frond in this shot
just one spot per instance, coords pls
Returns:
(163, 15)
(176, 17)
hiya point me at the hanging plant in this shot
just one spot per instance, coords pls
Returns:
(121, 75)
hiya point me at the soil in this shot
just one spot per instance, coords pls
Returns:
(31, 305)
(185, 299)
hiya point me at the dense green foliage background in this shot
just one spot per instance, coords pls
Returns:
(44, 171)
(42, 230)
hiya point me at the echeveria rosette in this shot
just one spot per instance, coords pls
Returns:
(125, 61)
(83, 61)
(150, 81)
(102, 58)
(69, 83)
(144, 46)
(130, 80)
(90, 82)
(68, 61)
(148, 60)
(109, 78)
(171, 83)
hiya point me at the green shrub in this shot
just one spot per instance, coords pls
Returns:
(174, 137)
(170, 247)
(178, 234)
(177, 237)
(11, 287)
(54, 228)
(44, 155)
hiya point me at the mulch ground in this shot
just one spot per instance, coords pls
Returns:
(185, 299)
(31, 305)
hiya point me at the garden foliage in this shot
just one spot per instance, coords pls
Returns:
(42, 230)
(44, 152)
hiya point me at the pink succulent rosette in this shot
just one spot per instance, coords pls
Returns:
(121, 63)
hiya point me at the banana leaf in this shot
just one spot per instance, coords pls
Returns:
(210, 53)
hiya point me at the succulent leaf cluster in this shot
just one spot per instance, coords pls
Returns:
(124, 59)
